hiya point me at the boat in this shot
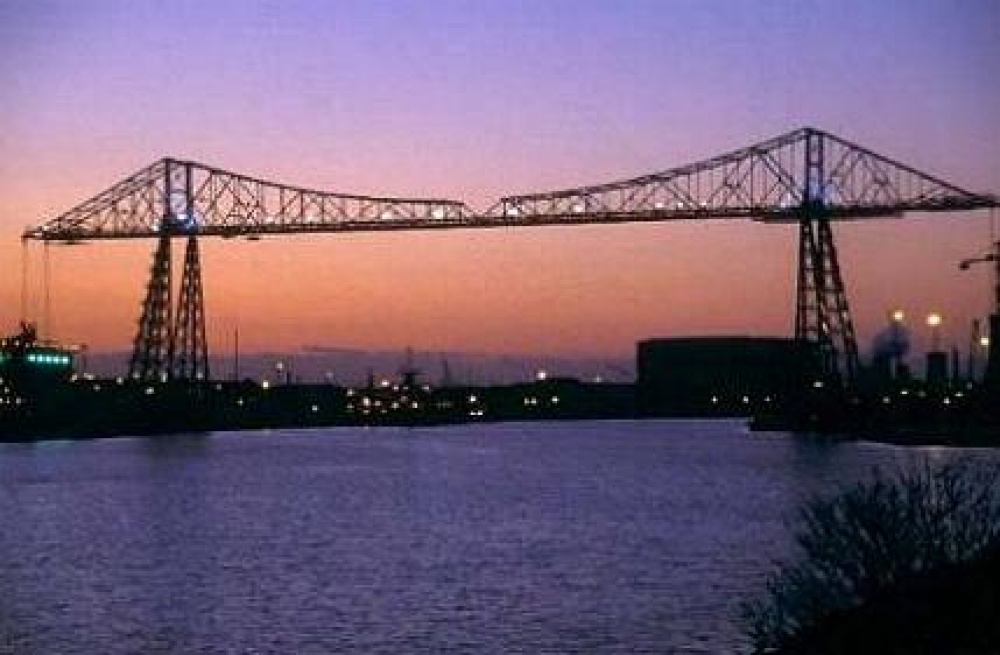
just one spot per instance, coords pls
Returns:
(31, 370)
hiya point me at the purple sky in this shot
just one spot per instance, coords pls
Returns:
(477, 99)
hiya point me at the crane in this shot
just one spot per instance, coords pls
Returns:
(994, 257)
(993, 358)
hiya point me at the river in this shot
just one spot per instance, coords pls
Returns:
(577, 537)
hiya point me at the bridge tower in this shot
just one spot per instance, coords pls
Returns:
(822, 315)
(151, 348)
(190, 357)
(170, 341)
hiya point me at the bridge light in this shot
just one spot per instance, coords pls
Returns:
(386, 215)
(898, 315)
(984, 341)
(437, 213)
(933, 319)
(578, 208)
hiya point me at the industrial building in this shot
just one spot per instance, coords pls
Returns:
(720, 376)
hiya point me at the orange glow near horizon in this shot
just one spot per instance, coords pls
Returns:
(590, 290)
(496, 291)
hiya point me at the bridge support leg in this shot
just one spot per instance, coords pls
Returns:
(191, 348)
(151, 350)
(822, 315)
(164, 349)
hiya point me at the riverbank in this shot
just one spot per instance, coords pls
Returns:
(949, 610)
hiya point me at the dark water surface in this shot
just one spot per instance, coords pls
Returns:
(595, 537)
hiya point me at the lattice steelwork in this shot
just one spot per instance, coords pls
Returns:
(189, 198)
(769, 181)
(170, 342)
(807, 177)
(152, 348)
(189, 356)
(822, 315)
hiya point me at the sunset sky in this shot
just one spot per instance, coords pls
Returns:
(473, 100)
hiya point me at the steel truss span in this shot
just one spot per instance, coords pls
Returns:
(185, 198)
(807, 177)
(768, 181)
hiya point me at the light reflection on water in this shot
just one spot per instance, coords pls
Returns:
(591, 537)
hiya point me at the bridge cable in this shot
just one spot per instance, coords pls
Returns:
(24, 281)
(994, 236)
(47, 313)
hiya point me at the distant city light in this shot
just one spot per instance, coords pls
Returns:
(934, 322)
(898, 315)
(984, 342)
(542, 374)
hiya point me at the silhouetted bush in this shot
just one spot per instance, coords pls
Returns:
(888, 534)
